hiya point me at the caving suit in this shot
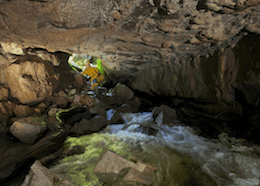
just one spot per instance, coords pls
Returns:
(94, 74)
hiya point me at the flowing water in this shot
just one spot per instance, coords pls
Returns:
(227, 161)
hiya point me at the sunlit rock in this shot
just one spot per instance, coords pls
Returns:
(12, 48)
(27, 129)
(31, 81)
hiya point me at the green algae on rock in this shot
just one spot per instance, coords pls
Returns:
(172, 169)
(78, 169)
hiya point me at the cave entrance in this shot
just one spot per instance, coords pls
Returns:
(77, 62)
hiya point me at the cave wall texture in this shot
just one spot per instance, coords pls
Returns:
(203, 49)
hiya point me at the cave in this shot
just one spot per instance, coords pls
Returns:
(173, 71)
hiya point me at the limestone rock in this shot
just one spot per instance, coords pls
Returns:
(12, 48)
(134, 175)
(112, 166)
(23, 110)
(31, 81)
(27, 129)
(40, 175)
(27, 133)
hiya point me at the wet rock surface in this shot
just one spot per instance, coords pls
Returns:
(61, 123)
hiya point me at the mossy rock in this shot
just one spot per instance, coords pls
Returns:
(172, 169)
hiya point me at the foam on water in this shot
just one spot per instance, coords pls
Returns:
(228, 164)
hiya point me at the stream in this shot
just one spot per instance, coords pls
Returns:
(228, 161)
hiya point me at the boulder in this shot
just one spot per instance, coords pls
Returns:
(25, 132)
(89, 126)
(23, 110)
(112, 167)
(12, 48)
(122, 93)
(164, 115)
(31, 80)
(40, 175)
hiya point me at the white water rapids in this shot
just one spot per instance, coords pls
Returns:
(226, 160)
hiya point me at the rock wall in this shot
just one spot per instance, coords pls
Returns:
(179, 48)
(221, 77)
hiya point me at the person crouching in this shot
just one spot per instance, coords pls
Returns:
(95, 76)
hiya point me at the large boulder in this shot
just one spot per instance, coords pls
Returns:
(31, 79)
(28, 129)
(112, 166)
